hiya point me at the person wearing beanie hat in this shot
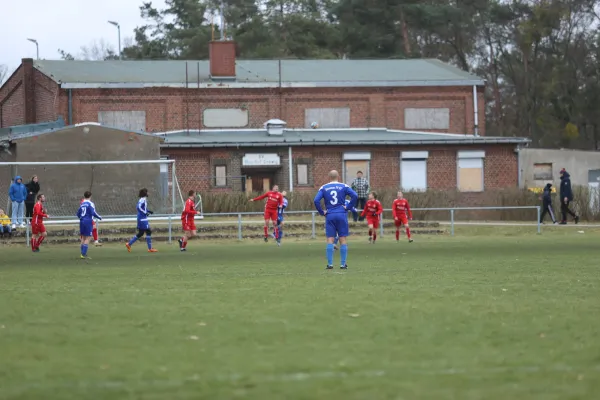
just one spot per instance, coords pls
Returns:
(566, 197)
(547, 202)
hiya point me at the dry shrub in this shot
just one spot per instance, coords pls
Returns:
(511, 197)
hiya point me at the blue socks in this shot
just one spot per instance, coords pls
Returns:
(329, 254)
(149, 242)
(280, 234)
(133, 240)
(344, 253)
(84, 249)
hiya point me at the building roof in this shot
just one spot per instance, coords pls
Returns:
(256, 73)
(322, 137)
(39, 132)
(21, 130)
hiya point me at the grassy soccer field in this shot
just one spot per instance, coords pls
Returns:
(469, 317)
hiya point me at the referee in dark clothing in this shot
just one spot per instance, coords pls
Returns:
(566, 197)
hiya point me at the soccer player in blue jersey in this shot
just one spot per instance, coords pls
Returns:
(334, 194)
(143, 226)
(280, 211)
(86, 215)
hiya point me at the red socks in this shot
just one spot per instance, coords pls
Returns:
(266, 229)
(374, 235)
(370, 232)
(32, 243)
(39, 241)
(276, 233)
(397, 234)
(408, 232)
(95, 234)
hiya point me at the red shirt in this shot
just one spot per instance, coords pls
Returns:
(372, 207)
(38, 214)
(400, 208)
(189, 211)
(274, 200)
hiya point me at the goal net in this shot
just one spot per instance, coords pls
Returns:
(114, 185)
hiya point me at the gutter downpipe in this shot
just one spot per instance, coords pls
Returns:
(70, 106)
(291, 168)
(475, 112)
(519, 171)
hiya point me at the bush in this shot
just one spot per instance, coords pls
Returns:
(512, 197)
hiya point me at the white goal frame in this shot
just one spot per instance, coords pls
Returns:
(162, 161)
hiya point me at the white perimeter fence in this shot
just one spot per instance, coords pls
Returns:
(175, 219)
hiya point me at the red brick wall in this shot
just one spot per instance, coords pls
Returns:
(500, 166)
(46, 98)
(12, 95)
(172, 109)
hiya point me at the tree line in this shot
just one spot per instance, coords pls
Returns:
(539, 57)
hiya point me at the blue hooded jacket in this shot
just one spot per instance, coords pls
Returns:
(18, 191)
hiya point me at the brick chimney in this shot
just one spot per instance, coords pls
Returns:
(222, 58)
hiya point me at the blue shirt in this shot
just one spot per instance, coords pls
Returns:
(142, 209)
(349, 207)
(87, 211)
(282, 208)
(334, 194)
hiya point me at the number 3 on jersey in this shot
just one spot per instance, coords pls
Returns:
(334, 194)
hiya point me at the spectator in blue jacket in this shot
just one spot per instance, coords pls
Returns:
(18, 194)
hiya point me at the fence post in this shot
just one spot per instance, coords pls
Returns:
(26, 234)
(240, 227)
(381, 225)
(314, 232)
(539, 223)
(452, 222)
(170, 230)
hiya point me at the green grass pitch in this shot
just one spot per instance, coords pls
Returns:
(508, 316)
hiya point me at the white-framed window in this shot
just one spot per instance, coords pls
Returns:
(470, 174)
(302, 174)
(354, 162)
(327, 117)
(220, 175)
(413, 170)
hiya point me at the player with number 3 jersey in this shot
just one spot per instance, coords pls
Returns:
(334, 195)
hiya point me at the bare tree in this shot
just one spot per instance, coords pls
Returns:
(97, 50)
(3, 73)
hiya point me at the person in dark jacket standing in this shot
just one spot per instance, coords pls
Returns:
(566, 197)
(33, 188)
(547, 202)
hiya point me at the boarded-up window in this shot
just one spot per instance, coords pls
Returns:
(414, 174)
(327, 117)
(470, 174)
(542, 172)
(225, 118)
(220, 175)
(302, 174)
(427, 118)
(128, 120)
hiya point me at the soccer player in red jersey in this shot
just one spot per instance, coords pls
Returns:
(37, 223)
(187, 220)
(372, 211)
(274, 202)
(94, 230)
(401, 212)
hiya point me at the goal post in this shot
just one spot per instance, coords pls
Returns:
(114, 185)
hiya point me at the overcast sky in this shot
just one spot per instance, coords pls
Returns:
(64, 24)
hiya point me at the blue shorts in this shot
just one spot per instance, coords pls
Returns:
(143, 225)
(86, 228)
(279, 220)
(336, 224)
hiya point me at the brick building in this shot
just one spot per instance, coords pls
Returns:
(252, 160)
(406, 123)
(224, 93)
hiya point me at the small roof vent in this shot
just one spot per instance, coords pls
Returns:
(275, 126)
